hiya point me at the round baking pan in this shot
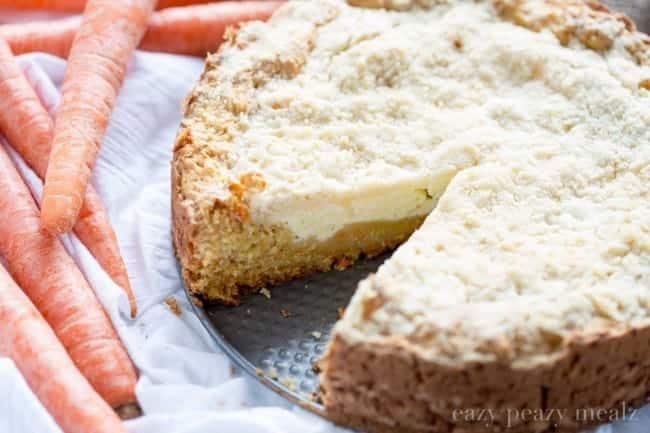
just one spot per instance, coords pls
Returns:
(277, 334)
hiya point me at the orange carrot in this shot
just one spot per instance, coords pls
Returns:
(27, 339)
(109, 33)
(55, 5)
(78, 5)
(190, 30)
(197, 30)
(41, 266)
(53, 37)
(29, 129)
(175, 3)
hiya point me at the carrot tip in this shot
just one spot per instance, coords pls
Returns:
(134, 308)
(129, 411)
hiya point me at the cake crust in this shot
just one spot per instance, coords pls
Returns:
(594, 380)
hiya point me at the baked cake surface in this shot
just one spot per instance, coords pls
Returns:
(520, 129)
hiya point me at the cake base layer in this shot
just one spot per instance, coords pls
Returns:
(235, 259)
(595, 380)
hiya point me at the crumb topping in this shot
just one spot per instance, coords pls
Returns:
(524, 123)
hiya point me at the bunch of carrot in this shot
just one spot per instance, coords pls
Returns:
(51, 323)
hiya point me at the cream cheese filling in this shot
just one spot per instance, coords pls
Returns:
(320, 216)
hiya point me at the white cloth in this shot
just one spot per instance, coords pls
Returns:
(186, 384)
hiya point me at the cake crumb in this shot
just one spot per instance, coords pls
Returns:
(340, 312)
(196, 301)
(265, 292)
(285, 313)
(288, 382)
(342, 264)
(645, 84)
(272, 373)
(259, 371)
(317, 335)
(173, 306)
(457, 42)
(233, 370)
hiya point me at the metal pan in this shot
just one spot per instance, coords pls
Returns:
(278, 339)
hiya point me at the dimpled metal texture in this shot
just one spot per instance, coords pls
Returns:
(279, 333)
(278, 339)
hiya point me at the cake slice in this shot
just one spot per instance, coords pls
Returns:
(279, 172)
(517, 130)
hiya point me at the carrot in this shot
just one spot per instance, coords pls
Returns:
(109, 33)
(41, 266)
(55, 5)
(191, 30)
(28, 340)
(197, 30)
(162, 4)
(78, 5)
(53, 37)
(29, 129)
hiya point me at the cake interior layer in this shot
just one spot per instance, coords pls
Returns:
(246, 257)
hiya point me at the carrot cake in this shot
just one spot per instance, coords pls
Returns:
(504, 143)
